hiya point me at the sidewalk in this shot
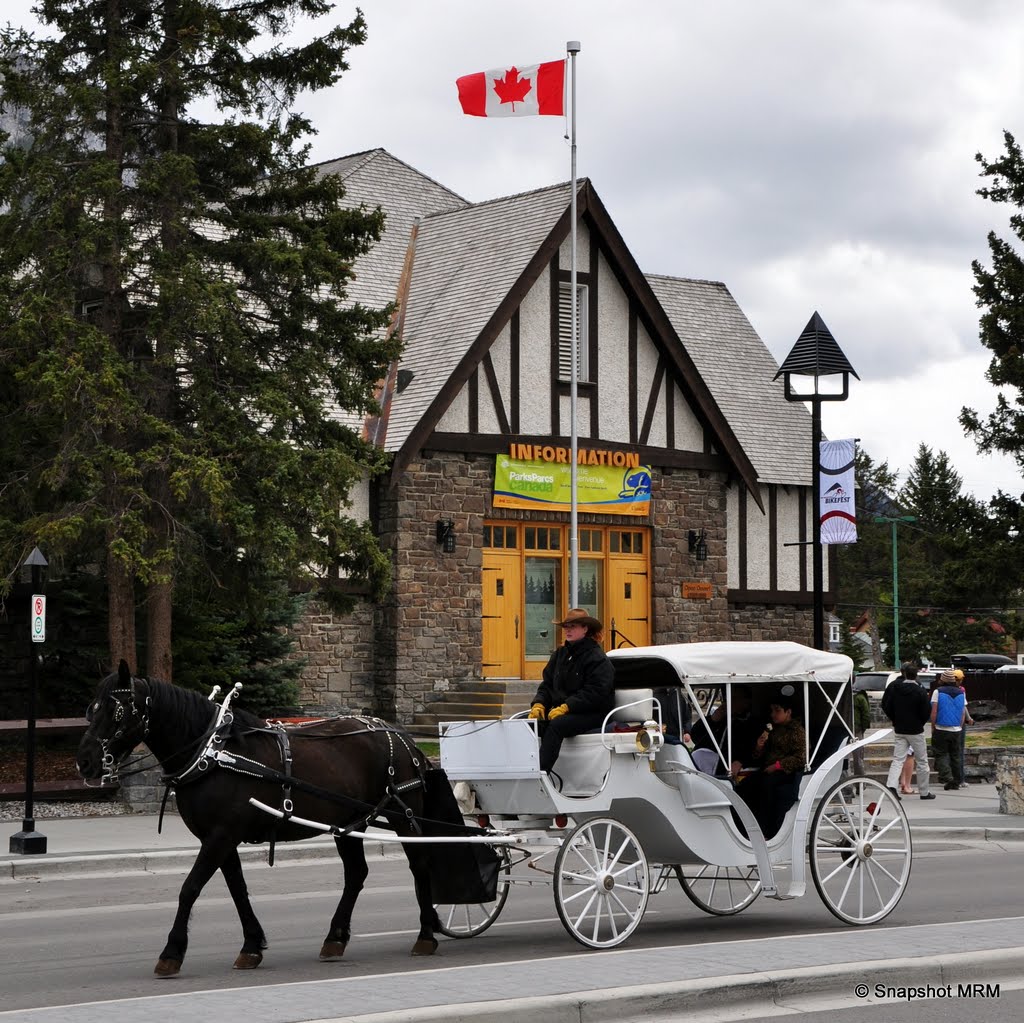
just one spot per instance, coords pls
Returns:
(80, 845)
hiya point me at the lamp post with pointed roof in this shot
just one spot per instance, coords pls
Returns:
(816, 354)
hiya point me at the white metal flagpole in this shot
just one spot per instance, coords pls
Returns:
(572, 48)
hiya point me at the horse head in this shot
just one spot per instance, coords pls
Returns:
(118, 721)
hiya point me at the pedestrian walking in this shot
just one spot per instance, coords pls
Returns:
(968, 720)
(948, 711)
(905, 704)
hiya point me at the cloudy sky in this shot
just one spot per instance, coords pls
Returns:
(812, 155)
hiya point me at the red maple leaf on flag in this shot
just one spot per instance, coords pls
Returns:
(512, 89)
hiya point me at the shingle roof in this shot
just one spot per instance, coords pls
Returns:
(467, 262)
(376, 178)
(739, 371)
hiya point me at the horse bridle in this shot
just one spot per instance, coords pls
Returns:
(123, 718)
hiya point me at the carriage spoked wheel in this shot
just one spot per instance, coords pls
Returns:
(721, 891)
(602, 883)
(470, 919)
(860, 850)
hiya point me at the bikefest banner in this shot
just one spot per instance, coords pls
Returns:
(609, 489)
(838, 519)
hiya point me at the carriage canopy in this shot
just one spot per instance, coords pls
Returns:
(720, 663)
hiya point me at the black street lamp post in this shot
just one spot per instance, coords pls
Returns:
(28, 840)
(816, 354)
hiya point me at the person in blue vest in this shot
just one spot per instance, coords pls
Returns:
(949, 707)
(578, 687)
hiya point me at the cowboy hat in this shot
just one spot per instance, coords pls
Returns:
(577, 616)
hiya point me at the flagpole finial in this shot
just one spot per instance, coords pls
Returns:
(573, 46)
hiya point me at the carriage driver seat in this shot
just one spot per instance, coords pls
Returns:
(584, 760)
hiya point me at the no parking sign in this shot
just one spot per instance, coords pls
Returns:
(38, 618)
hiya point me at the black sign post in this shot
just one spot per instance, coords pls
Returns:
(28, 840)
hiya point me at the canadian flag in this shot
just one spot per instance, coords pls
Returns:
(516, 91)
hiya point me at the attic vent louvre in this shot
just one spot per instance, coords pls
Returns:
(565, 333)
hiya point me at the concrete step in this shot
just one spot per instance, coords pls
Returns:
(462, 710)
(492, 697)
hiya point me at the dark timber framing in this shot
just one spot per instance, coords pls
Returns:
(606, 240)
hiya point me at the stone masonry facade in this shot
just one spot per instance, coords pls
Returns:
(395, 658)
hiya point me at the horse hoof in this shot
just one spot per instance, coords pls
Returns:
(167, 967)
(332, 951)
(247, 961)
(425, 947)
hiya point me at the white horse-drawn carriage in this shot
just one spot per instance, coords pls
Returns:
(626, 810)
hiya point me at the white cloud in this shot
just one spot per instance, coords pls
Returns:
(812, 155)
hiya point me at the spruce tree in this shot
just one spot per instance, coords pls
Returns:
(172, 301)
(999, 291)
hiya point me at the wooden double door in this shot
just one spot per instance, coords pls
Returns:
(525, 581)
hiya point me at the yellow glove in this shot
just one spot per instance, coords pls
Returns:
(537, 712)
(557, 712)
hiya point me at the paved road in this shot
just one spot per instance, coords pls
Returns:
(86, 940)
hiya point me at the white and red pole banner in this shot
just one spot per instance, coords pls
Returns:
(838, 516)
(515, 91)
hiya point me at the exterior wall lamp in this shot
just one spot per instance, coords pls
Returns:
(446, 535)
(698, 543)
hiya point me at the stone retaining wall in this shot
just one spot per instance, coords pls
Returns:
(1009, 776)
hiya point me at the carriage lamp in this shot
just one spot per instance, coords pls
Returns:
(446, 535)
(697, 540)
(649, 740)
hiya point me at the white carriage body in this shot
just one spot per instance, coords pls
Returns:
(679, 814)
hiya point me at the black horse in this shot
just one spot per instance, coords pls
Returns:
(341, 772)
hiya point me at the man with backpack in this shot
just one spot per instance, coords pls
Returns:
(905, 704)
(948, 710)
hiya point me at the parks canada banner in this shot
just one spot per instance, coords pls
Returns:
(600, 489)
(838, 514)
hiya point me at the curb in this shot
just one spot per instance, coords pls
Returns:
(157, 861)
(741, 994)
(927, 833)
(31, 868)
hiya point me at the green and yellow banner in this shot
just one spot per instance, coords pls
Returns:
(600, 489)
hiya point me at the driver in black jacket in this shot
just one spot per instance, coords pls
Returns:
(578, 690)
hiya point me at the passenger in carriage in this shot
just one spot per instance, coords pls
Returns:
(578, 687)
(743, 727)
(780, 752)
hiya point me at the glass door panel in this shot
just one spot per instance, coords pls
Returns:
(590, 586)
(543, 601)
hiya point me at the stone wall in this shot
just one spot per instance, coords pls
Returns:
(144, 792)
(425, 638)
(339, 655)
(429, 635)
(429, 632)
(682, 500)
(772, 622)
(1009, 774)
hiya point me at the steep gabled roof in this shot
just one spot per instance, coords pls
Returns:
(740, 372)
(375, 178)
(466, 264)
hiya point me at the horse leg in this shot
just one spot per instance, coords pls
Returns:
(211, 855)
(353, 859)
(253, 938)
(419, 865)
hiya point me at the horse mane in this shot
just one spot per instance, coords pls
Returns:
(195, 712)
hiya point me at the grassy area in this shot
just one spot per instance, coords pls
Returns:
(430, 749)
(1005, 735)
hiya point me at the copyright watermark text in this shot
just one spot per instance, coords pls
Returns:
(890, 993)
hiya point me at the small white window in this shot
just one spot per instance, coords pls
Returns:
(565, 333)
(833, 632)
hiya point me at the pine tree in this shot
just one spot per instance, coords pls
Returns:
(172, 301)
(1000, 293)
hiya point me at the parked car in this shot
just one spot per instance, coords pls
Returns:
(873, 682)
(986, 662)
